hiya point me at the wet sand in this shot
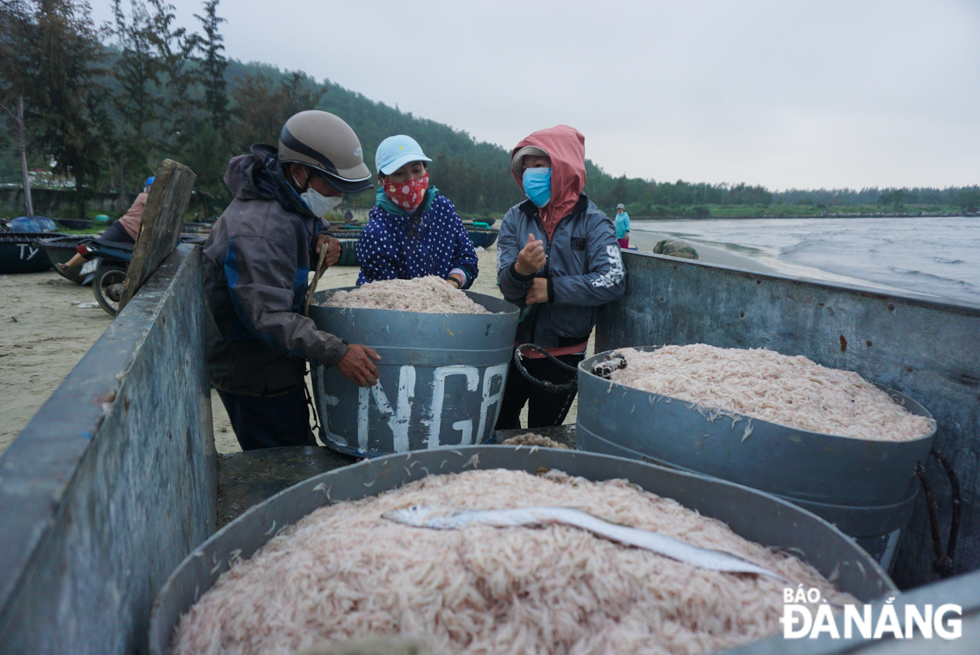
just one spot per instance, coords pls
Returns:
(47, 328)
(644, 237)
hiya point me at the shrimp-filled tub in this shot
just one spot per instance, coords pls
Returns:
(335, 558)
(442, 374)
(864, 483)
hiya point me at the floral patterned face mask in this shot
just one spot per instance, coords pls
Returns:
(407, 195)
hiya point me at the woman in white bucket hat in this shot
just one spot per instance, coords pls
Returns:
(414, 231)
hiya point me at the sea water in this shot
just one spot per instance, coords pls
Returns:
(937, 256)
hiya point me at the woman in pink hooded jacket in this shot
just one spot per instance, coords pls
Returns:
(557, 259)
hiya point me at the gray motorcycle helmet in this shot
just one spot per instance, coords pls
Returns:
(320, 140)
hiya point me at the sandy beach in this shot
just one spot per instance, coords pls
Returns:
(50, 323)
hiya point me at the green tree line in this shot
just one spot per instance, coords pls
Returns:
(105, 104)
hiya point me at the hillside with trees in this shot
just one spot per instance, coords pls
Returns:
(103, 105)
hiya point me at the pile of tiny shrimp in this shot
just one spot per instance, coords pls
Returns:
(344, 572)
(532, 439)
(763, 384)
(424, 295)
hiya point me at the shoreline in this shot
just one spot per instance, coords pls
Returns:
(750, 259)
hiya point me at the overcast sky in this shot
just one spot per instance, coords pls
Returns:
(790, 93)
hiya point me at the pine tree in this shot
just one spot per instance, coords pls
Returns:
(262, 106)
(174, 53)
(60, 57)
(138, 71)
(15, 72)
(213, 66)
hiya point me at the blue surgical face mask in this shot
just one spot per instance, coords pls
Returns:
(537, 185)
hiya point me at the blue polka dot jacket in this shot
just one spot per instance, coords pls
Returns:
(431, 242)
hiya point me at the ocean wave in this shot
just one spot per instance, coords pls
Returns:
(810, 245)
(931, 276)
(927, 256)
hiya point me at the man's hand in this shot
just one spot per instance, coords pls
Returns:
(538, 292)
(333, 249)
(357, 366)
(531, 259)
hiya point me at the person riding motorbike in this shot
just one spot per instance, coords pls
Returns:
(124, 230)
(256, 265)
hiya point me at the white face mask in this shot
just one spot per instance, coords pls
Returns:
(319, 205)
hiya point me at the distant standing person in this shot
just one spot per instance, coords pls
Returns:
(123, 230)
(622, 226)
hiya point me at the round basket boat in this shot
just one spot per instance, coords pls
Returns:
(61, 249)
(867, 488)
(75, 223)
(442, 377)
(21, 252)
(482, 237)
(753, 515)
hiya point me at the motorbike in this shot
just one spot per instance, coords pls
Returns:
(106, 269)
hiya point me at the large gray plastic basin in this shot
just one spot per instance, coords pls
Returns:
(756, 516)
(442, 377)
(867, 488)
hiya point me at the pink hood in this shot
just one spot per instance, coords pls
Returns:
(566, 147)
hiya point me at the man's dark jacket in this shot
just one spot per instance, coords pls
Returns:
(256, 269)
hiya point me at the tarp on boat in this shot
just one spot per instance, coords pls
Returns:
(32, 224)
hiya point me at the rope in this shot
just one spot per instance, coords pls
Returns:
(602, 369)
(550, 387)
(943, 562)
(933, 513)
(954, 527)
(316, 278)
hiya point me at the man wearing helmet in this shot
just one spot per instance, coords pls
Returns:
(256, 268)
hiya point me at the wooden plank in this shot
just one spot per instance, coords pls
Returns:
(160, 227)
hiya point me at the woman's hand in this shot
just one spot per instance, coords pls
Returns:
(455, 279)
(531, 259)
(538, 293)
